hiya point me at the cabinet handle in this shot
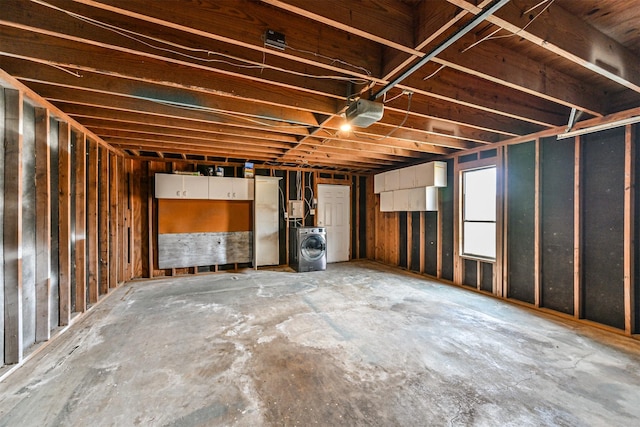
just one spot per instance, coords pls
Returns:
(229, 195)
(234, 195)
(178, 193)
(184, 193)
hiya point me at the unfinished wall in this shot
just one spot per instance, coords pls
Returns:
(53, 189)
(568, 230)
(295, 183)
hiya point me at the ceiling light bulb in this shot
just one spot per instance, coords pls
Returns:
(345, 127)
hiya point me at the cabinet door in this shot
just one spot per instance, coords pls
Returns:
(401, 200)
(392, 180)
(169, 186)
(220, 188)
(242, 189)
(378, 183)
(195, 187)
(407, 177)
(386, 201)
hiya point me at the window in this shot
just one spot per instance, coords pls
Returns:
(479, 213)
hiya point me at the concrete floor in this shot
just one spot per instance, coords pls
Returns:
(359, 344)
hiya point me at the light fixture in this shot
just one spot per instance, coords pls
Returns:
(597, 128)
(345, 126)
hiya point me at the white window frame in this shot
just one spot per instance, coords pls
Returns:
(490, 218)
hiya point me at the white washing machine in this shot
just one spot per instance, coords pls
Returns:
(308, 248)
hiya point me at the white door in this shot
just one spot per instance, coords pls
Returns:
(334, 206)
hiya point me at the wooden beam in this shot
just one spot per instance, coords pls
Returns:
(43, 224)
(103, 226)
(12, 227)
(629, 216)
(564, 34)
(64, 209)
(114, 236)
(80, 195)
(577, 230)
(92, 235)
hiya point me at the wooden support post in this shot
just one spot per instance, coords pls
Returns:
(150, 201)
(629, 215)
(536, 231)
(93, 265)
(2, 131)
(80, 150)
(114, 239)
(64, 221)
(501, 283)
(577, 208)
(103, 209)
(457, 225)
(12, 227)
(43, 225)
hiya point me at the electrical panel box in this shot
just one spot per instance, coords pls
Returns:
(296, 209)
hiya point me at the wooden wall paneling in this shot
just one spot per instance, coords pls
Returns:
(354, 229)
(103, 221)
(147, 213)
(80, 152)
(92, 235)
(123, 206)
(28, 248)
(577, 226)
(363, 235)
(2, 143)
(12, 227)
(536, 224)
(557, 224)
(603, 180)
(54, 294)
(114, 220)
(129, 229)
(629, 298)
(64, 222)
(43, 224)
(138, 225)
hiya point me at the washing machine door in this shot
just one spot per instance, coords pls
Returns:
(313, 247)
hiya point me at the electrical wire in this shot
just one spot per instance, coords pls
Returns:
(133, 35)
(224, 113)
(40, 61)
(492, 36)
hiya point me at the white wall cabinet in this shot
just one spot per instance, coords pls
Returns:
(224, 188)
(386, 201)
(174, 186)
(414, 188)
(423, 199)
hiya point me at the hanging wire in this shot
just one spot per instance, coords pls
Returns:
(241, 62)
(492, 36)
